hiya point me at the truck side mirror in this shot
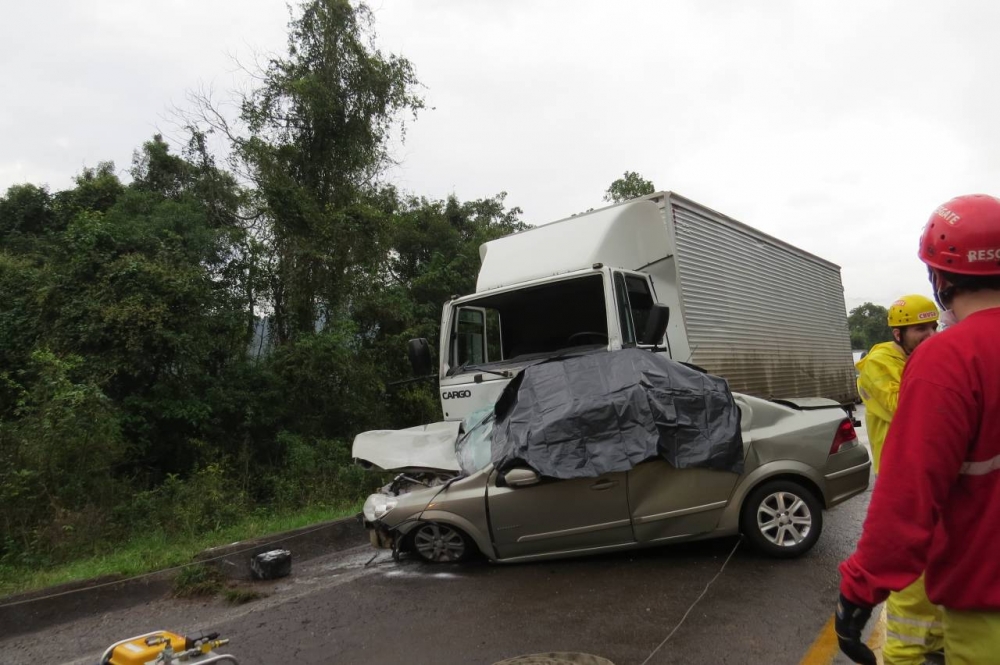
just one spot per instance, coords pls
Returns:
(419, 351)
(656, 325)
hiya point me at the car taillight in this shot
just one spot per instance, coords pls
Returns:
(845, 434)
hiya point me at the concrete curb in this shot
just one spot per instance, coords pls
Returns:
(81, 599)
(43, 608)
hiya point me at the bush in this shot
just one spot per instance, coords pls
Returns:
(56, 461)
(197, 582)
(319, 472)
(205, 501)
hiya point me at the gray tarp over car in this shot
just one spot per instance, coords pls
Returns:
(588, 415)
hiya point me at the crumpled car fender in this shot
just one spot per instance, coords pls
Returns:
(479, 534)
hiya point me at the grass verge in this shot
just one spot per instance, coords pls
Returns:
(197, 582)
(158, 550)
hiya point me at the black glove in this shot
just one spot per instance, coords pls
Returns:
(851, 620)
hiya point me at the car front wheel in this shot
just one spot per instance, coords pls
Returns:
(440, 543)
(782, 518)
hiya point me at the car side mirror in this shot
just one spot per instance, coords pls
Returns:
(656, 325)
(419, 351)
(520, 478)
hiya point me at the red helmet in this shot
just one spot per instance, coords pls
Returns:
(963, 236)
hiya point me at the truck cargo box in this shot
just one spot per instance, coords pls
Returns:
(767, 316)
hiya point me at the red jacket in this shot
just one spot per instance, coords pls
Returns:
(936, 505)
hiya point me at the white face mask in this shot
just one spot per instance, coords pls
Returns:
(947, 319)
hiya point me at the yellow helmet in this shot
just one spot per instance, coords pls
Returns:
(911, 310)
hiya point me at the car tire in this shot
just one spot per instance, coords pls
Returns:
(782, 518)
(436, 542)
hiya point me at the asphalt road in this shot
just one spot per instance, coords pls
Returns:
(621, 607)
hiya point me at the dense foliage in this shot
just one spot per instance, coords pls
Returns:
(869, 324)
(202, 339)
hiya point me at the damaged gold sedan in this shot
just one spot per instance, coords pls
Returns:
(492, 484)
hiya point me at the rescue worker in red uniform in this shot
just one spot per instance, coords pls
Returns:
(913, 626)
(936, 506)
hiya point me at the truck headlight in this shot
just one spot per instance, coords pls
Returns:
(377, 505)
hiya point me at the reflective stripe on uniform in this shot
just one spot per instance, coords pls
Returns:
(912, 626)
(905, 639)
(913, 622)
(981, 468)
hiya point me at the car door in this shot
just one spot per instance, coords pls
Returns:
(559, 515)
(670, 503)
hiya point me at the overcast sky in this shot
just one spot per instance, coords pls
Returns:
(836, 126)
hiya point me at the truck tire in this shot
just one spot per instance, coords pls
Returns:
(782, 518)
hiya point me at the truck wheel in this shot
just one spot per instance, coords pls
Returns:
(440, 543)
(782, 518)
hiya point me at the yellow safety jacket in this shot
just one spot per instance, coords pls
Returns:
(878, 383)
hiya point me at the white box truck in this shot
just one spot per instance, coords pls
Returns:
(767, 316)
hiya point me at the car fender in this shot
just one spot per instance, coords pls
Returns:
(481, 539)
(730, 519)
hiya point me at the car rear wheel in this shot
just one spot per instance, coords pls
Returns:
(782, 518)
(440, 543)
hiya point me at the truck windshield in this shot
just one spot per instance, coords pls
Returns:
(530, 322)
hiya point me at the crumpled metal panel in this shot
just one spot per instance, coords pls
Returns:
(423, 447)
(589, 415)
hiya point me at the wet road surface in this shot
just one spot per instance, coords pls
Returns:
(336, 610)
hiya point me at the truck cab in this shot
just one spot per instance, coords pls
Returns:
(768, 317)
(489, 336)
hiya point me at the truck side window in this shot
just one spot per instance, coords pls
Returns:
(624, 315)
(640, 301)
(634, 304)
(494, 336)
(470, 342)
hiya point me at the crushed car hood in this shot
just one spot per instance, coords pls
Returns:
(423, 448)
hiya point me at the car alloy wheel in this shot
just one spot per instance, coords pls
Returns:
(440, 543)
(782, 518)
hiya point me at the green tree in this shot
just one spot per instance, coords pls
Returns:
(57, 455)
(318, 132)
(869, 326)
(124, 319)
(630, 186)
(22, 279)
(97, 190)
(128, 391)
(25, 210)
(432, 253)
